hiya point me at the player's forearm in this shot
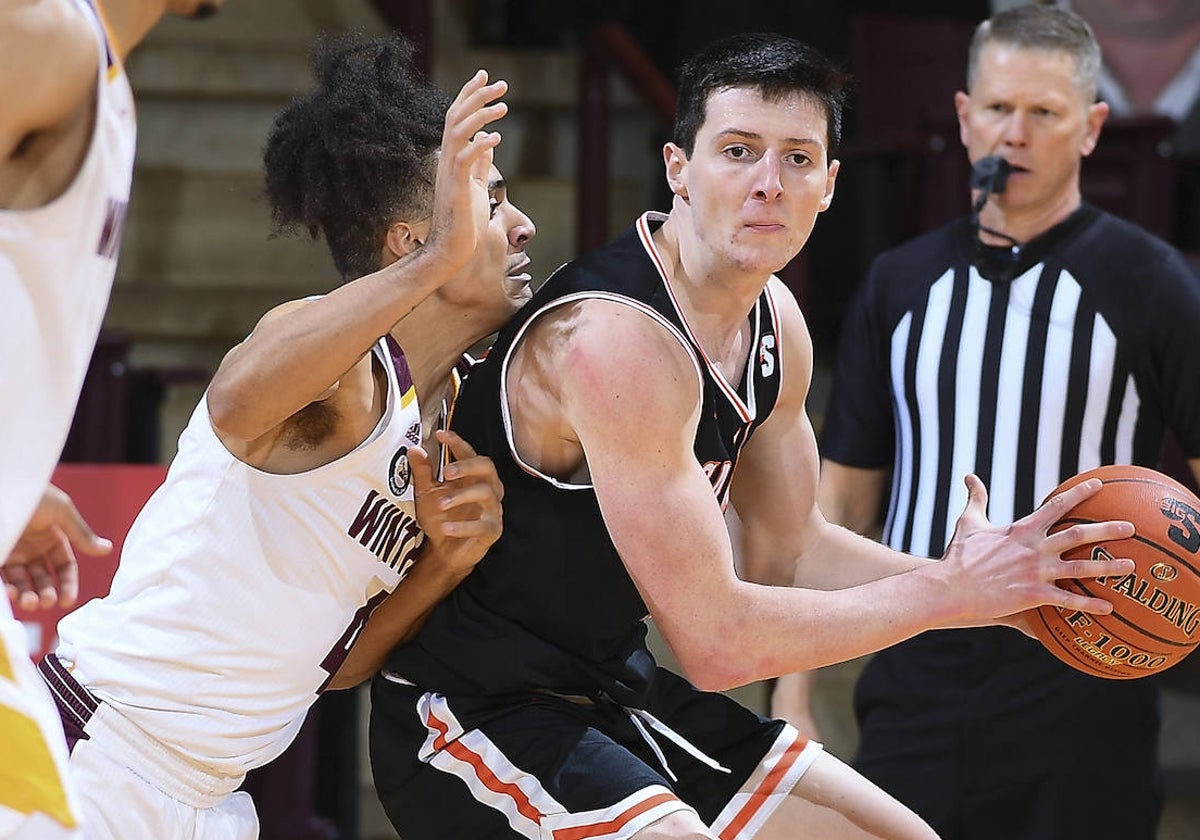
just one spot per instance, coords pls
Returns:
(839, 558)
(293, 359)
(790, 629)
(398, 619)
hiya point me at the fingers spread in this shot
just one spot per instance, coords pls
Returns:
(1060, 505)
(1088, 533)
(1094, 568)
(1073, 601)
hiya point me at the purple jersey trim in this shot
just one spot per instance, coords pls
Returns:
(400, 364)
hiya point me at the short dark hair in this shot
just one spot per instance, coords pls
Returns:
(774, 65)
(1046, 28)
(359, 152)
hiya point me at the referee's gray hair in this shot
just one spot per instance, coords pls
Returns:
(1039, 27)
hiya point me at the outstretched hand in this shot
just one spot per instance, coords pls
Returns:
(42, 571)
(1000, 572)
(461, 200)
(461, 515)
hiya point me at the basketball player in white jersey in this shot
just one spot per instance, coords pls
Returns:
(67, 135)
(291, 510)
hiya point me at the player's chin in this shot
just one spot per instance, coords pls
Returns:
(518, 289)
(766, 257)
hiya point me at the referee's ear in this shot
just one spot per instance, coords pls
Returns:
(1097, 113)
(962, 102)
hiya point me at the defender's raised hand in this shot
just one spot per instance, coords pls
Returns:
(999, 572)
(461, 202)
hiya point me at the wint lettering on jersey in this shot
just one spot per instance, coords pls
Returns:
(387, 532)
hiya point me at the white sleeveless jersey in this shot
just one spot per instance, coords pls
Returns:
(56, 270)
(239, 592)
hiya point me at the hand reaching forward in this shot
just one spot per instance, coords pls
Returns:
(42, 571)
(995, 572)
(461, 199)
(461, 515)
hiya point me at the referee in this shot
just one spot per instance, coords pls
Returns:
(1031, 340)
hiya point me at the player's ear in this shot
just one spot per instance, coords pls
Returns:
(675, 160)
(405, 237)
(830, 180)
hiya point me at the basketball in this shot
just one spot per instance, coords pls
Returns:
(1155, 621)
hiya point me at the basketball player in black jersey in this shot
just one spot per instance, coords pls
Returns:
(645, 387)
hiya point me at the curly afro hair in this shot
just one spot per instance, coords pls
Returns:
(358, 153)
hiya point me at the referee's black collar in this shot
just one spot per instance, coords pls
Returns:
(1003, 263)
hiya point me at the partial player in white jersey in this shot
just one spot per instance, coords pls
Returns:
(67, 134)
(292, 508)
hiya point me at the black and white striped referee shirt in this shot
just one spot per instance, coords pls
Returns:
(1078, 351)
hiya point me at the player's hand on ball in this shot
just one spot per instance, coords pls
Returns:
(460, 515)
(42, 571)
(994, 573)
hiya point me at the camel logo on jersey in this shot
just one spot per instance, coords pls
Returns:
(766, 355)
(387, 532)
(400, 473)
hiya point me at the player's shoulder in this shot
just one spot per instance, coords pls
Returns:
(49, 60)
(50, 37)
(784, 303)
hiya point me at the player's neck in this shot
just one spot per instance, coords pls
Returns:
(132, 20)
(433, 341)
(714, 295)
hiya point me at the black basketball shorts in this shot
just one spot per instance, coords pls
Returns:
(548, 766)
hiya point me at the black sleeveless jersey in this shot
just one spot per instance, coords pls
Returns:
(551, 607)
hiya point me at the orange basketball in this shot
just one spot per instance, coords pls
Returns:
(1155, 620)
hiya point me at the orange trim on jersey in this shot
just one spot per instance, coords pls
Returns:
(730, 392)
(617, 823)
(647, 238)
(764, 791)
(489, 779)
